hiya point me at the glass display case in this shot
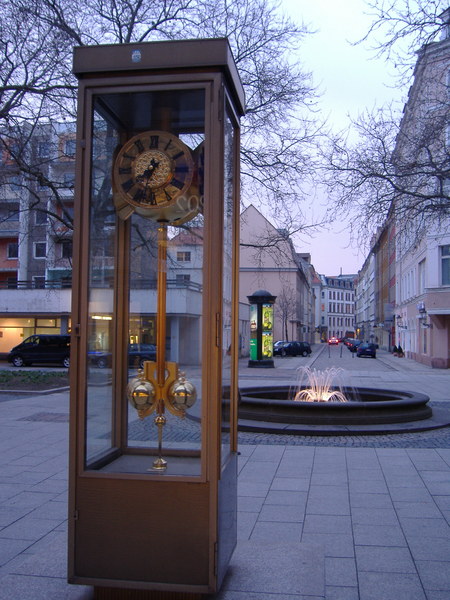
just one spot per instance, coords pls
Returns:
(154, 351)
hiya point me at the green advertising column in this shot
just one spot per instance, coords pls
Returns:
(261, 329)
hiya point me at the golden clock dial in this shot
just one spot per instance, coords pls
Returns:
(152, 171)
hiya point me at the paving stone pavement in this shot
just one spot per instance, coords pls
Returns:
(330, 518)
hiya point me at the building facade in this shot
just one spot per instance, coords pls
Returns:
(365, 306)
(422, 312)
(36, 219)
(337, 318)
(268, 261)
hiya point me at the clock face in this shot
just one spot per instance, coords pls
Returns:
(151, 172)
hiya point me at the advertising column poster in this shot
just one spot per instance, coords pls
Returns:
(253, 332)
(267, 330)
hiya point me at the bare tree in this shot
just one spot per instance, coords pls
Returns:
(400, 27)
(278, 130)
(287, 307)
(399, 161)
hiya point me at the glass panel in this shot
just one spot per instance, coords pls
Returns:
(227, 284)
(183, 326)
(100, 406)
(166, 282)
(150, 145)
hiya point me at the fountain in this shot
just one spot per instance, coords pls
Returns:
(336, 408)
(320, 387)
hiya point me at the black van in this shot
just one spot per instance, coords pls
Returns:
(41, 349)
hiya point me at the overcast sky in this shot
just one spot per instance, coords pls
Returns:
(350, 81)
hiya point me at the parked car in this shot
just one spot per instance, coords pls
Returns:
(367, 349)
(292, 349)
(278, 344)
(333, 340)
(353, 345)
(137, 355)
(41, 348)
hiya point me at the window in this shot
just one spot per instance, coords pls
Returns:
(70, 147)
(69, 180)
(445, 187)
(68, 212)
(445, 264)
(66, 249)
(182, 279)
(183, 256)
(39, 282)
(421, 277)
(13, 215)
(15, 181)
(40, 217)
(44, 149)
(13, 250)
(40, 249)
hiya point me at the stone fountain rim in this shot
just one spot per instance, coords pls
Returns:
(396, 398)
(405, 411)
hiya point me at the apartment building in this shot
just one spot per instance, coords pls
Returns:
(36, 233)
(422, 299)
(338, 306)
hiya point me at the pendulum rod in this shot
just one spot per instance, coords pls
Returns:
(161, 312)
(160, 420)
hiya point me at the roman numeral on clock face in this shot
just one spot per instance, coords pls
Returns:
(127, 185)
(139, 195)
(139, 145)
(154, 141)
(177, 183)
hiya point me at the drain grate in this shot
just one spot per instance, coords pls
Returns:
(47, 417)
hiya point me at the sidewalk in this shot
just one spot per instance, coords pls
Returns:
(315, 523)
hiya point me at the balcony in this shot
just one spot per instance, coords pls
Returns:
(29, 300)
(33, 285)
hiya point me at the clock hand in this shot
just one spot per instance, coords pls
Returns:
(154, 164)
(147, 174)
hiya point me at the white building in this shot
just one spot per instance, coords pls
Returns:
(423, 249)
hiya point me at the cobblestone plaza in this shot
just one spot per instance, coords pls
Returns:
(319, 517)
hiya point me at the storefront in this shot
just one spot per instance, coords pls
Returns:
(14, 330)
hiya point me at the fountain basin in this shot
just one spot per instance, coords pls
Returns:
(364, 406)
